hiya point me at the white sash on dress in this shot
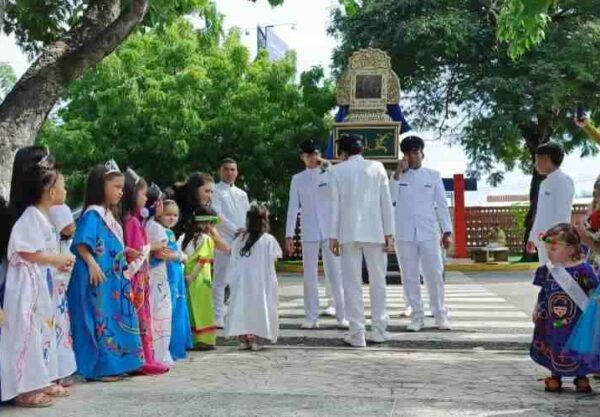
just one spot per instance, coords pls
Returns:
(110, 221)
(569, 285)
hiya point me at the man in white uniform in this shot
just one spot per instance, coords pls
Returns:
(420, 203)
(310, 193)
(362, 224)
(555, 198)
(231, 204)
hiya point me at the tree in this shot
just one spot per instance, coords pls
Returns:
(450, 63)
(172, 101)
(7, 78)
(68, 37)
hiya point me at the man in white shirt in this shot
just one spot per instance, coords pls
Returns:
(231, 204)
(555, 197)
(420, 211)
(362, 224)
(310, 193)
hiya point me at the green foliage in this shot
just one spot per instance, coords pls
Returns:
(7, 79)
(37, 23)
(463, 84)
(172, 101)
(522, 24)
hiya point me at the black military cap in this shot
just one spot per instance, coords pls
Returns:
(411, 142)
(309, 146)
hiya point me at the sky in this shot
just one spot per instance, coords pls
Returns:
(302, 24)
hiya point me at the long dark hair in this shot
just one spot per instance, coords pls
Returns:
(133, 184)
(257, 224)
(24, 159)
(192, 228)
(185, 195)
(94, 187)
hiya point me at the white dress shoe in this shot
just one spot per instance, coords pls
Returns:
(355, 341)
(344, 325)
(329, 312)
(415, 325)
(377, 336)
(308, 325)
(443, 324)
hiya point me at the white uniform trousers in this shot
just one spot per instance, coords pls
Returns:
(542, 252)
(333, 276)
(424, 256)
(221, 262)
(376, 259)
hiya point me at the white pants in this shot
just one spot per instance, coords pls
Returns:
(221, 262)
(333, 276)
(542, 252)
(376, 259)
(425, 256)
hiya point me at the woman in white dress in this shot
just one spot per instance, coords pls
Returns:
(253, 282)
(28, 342)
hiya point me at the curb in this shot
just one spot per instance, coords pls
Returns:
(296, 268)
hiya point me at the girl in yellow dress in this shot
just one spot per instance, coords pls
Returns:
(199, 243)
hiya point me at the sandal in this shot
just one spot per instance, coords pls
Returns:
(582, 384)
(66, 382)
(34, 400)
(553, 384)
(56, 390)
(114, 378)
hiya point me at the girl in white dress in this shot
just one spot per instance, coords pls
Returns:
(61, 218)
(28, 342)
(253, 282)
(160, 292)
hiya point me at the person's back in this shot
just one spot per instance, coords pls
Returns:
(359, 190)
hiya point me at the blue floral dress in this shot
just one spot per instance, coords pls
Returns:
(106, 335)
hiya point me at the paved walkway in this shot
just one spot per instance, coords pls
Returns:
(330, 382)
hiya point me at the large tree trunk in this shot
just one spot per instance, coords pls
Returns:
(535, 134)
(22, 113)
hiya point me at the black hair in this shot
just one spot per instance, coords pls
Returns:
(154, 194)
(35, 181)
(94, 187)
(24, 159)
(133, 184)
(226, 161)
(351, 144)
(192, 228)
(552, 150)
(185, 195)
(5, 226)
(257, 224)
(410, 143)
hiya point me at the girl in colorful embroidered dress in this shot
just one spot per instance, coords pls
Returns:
(64, 225)
(104, 324)
(28, 342)
(199, 243)
(134, 200)
(565, 283)
(160, 292)
(181, 331)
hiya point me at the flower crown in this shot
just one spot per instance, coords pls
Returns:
(552, 240)
(207, 219)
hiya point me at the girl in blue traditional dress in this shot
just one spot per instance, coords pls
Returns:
(565, 285)
(181, 330)
(104, 323)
